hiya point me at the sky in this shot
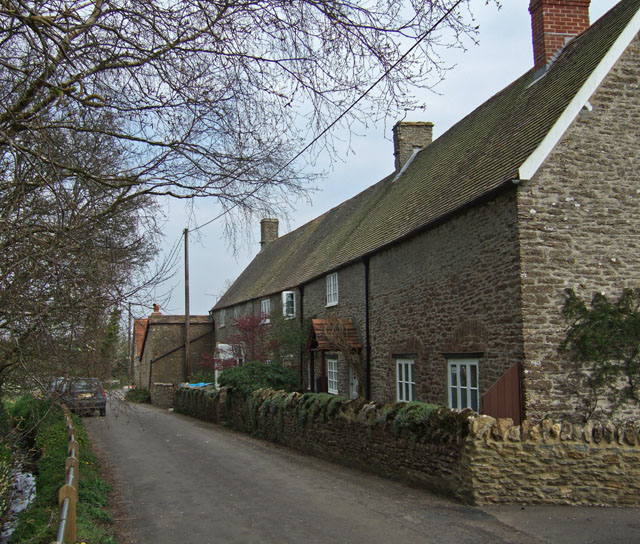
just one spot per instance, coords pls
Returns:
(504, 53)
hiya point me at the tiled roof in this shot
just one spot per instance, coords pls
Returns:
(478, 155)
(328, 333)
(139, 333)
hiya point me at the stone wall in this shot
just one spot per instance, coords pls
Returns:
(393, 441)
(554, 462)
(475, 459)
(579, 228)
(162, 395)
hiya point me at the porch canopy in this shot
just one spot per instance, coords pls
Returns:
(332, 334)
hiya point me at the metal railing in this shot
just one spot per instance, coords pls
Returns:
(68, 494)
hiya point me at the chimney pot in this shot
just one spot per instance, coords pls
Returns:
(408, 136)
(553, 24)
(268, 231)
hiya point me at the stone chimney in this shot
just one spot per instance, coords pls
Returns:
(409, 136)
(553, 24)
(268, 232)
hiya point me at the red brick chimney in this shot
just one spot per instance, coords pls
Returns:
(554, 23)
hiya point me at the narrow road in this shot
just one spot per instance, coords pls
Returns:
(183, 480)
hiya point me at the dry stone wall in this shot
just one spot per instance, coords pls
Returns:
(162, 395)
(475, 459)
(554, 462)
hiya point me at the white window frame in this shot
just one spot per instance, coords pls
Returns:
(461, 392)
(332, 374)
(236, 312)
(222, 312)
(332, 289)
(286, 295)
(265, 310)
(405, 380)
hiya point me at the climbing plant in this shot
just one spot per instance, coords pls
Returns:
(603, 340)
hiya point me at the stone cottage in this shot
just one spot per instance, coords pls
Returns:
(445, 280)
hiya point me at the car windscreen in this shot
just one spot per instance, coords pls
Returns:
(84, 385)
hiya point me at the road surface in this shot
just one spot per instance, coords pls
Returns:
(184, 480)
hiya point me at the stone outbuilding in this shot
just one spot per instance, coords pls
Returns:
(162, 347)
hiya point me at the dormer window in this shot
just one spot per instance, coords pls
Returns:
(289, 304)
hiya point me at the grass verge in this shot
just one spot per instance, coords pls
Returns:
(43, 427)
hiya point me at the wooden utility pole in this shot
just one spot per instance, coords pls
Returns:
(187, 331)
(129, 345)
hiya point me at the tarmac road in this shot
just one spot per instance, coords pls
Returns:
(183, 480)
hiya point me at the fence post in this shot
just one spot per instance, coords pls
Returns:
(71, 493)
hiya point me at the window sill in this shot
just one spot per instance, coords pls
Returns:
(331, 304)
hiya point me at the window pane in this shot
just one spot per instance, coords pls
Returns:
(474, 375)
(454, 375)
(463, 375)
(474, 400)
(454, 398)
(410, 368)
(463, 397)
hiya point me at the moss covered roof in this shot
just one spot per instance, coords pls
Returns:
(477, 156)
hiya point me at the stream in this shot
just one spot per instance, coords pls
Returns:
(22, 493)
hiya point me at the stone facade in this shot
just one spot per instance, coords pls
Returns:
(452, 290)
(579, 223)
(351, 304)
(163, 356)
(475, 459)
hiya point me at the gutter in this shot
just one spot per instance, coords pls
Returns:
(367, 360)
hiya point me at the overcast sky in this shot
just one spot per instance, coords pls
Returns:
(503, 54)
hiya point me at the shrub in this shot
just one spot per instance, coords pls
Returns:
(257, 375)
(141, 395)
(203, 376)
(413, 416)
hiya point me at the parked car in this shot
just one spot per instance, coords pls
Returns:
(85, 395)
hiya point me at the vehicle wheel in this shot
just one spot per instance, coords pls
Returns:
(103, 412)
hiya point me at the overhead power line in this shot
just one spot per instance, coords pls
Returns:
(339, 117)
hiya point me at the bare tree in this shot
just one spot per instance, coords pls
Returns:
(106, 103)
(207, 98)
(71, 251)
